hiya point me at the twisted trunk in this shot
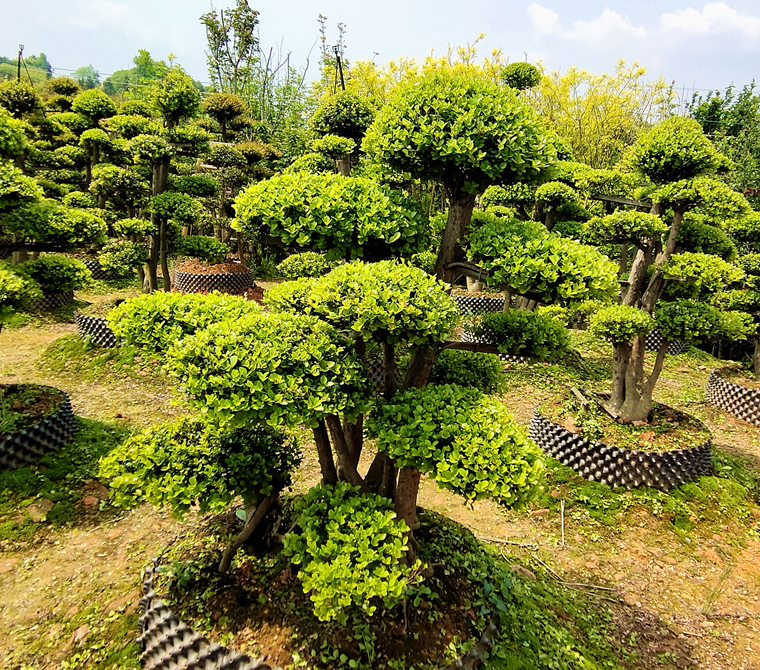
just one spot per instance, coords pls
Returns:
(254, 513)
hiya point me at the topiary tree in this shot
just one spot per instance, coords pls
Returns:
(65, 86)
(56, 274)
(165, 207)
(678, 161)
(466, 132)
(16, 291)
(223, 108)
(521, 76)
(175, 97)
(94, 104)
(18, 98)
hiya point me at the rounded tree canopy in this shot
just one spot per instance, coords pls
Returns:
(175, 97)
(135, 108)
(346, 114)
(279, 369)
(349, 217)
(386, 302)
(94, 104)
(49, 222)
(18, 98)
(63, 86)
(12, 137)
(676, 149)
(695, 321)
(625, 226)
(223, 107)
(521, 76)
(333, 146)
(131, 125)
(460, 129)
(467, 441)
(16, 188)
(620, 323)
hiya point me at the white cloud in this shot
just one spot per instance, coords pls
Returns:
(716, 16)
(97, 13)
(608, 23)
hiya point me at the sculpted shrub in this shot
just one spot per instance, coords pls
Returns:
(307, 264)
(620, 323)
(195, 462)
(523, 333)
(479, 371)
(203, 248)
(157, 321)
(57, 273)
(349, 548)
(468, 442)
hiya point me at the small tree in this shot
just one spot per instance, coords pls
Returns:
(223, 108)
(175, 97)
(678, 160)
(18, 98)
(94, 104)
(471, 134)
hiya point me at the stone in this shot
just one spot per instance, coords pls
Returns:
(89, 501)
(523, 571)
(646, 437)
(38, 510)
(7, 566)
(712, 555)
(670, 560)
(591, 565)
(80, 633)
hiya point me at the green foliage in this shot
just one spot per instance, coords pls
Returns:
(16, 290)
(560, 269)
(694, 321)
(57, 273)
(462, 130)
(16, 188)
(131, 125)
(94, 104)
(203, 248)
(556, 193)
(345, 114)
(226, 157)
(124, 187)
(175, 97)
(63, 86)
(149, 148)
(177, 206)
(95, 137)
(138, 227)
(12, 139)
(79, 200)
(197, 185)
(121, 256)
(695, 234)
(468, 442)
(307, 264)
(620, 323)
(348, 547)
(256, 151)
(386, 301)
(223, 107)
(425, 261)
(276, 368)
(349, 217)
(157, 321)
(19, 99)
(76, 123)
(675, 149)
(311, 163)
(333, 146)
(195, 462)
(47, 221)
(737, 299)
(514, 194)
(490, 234)
(135, 108)
(522, 333)
(713, 198)
(625, 226)
(521, 76)
(484, 372)
(704, 272)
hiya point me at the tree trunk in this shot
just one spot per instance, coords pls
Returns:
(324, 453)
(164, 258)
(254, 513)
(623, 258)
(344, 165)
(406, 506)
(347, 472)
(756, 359)
(460, 212)
(550, 217)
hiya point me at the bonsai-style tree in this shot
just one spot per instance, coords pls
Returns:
(466, 132)
(521, 76)
(94, 104)
(18, 98)
(223, 108)
(175, 97)
(678, 161)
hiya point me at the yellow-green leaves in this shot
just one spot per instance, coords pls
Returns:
(620, 323)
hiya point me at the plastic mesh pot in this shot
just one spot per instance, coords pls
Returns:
(620, 467)
(654, 340)
(170, 644)
(29, 445)
(467, 336)
(96, 328)
(229, 282)
(470, 306)
(51, 301)
(742, 402)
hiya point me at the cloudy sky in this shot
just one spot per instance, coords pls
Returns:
(696, 44)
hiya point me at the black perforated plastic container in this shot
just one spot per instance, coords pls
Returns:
(620, 467)
(51, 301)
(472, 305)
(29, 445)
(97, 329)
(229, 282)
(742, 402)
(101, 274)
(654, 340)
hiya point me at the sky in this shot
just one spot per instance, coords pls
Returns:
(697, 45)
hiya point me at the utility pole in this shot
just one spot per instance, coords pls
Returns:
(336, 51)
(18, 72)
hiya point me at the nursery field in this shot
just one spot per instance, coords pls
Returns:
(602, 578)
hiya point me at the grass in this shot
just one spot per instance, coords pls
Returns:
(58, 477)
